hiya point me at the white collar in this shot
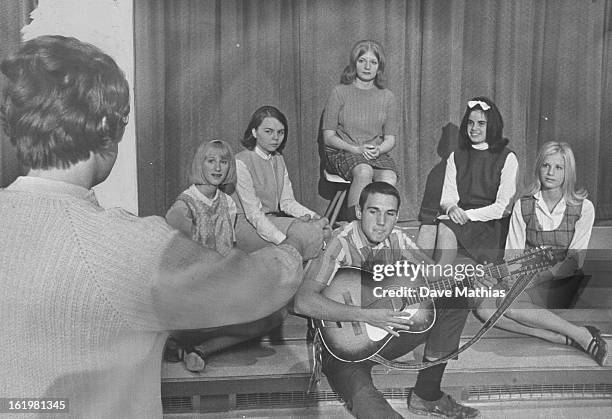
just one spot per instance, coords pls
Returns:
(481, 146)
(262, 154)
(195, 192)
(559, 208)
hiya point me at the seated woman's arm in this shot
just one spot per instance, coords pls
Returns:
(387, 144)
(253, 209)
(179, 216)
(331, 139)
(289, 205)
(391, 124)
(579, 244)
(450, 195)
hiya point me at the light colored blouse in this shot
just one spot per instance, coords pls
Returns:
(505, 192)
(267, 191)
(180, 217)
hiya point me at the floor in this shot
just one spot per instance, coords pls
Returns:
(571, 409)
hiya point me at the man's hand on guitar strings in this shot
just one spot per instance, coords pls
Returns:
(484, 281)
(387, 320)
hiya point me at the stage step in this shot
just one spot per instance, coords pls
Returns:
(500, 366)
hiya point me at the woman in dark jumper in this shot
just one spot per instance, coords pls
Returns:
(479, 185)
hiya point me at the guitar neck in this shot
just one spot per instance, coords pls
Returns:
(498, 271)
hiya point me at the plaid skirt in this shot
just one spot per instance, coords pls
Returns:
(342, 162)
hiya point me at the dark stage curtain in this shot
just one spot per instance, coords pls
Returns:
(203, 67)
(13, 16)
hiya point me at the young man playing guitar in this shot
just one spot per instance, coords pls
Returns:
(374, 237)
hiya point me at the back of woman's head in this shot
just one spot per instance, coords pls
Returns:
(267, 111)
(570, 193)
(361, 47)
(495, 123)
(64, 99)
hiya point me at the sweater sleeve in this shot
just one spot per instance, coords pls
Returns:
(180, 217)
(157, 279)
(332, 111)
(288, 203)
(391, 125)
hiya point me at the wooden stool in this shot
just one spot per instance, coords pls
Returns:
(336, 203)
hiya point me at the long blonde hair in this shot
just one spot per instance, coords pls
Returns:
(571, 195)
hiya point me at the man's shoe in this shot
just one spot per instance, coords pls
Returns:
(445, 407)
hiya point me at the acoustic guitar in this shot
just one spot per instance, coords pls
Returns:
(359, 341)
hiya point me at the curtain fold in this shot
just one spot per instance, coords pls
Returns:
(14, 15)
(203, 67)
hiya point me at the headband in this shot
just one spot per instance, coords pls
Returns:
(483, 105)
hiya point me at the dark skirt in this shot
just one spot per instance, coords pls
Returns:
(342, 162)
(483, 241)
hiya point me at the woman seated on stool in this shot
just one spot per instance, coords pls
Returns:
(479, 184)
(551, 213)
(360, 123)
(207, 214)
(266, 206)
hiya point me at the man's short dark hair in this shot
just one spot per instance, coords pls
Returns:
(64, 99)
(383, 188)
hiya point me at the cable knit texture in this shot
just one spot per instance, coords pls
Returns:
(78, 316)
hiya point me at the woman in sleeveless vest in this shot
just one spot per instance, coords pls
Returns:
(266, 204)
(206, 213)
(479, 185)
(361, 123)
(551, 213)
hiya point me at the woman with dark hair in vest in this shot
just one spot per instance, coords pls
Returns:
(552, 213)
(266, 207)
(479, 184)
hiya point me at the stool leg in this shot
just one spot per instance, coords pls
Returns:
(337, 208)
(332, 204)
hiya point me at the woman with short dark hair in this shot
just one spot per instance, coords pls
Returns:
(266, 205)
